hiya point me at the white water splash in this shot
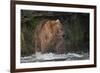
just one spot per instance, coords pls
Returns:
(53, 57)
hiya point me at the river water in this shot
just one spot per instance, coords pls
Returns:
(38, 57)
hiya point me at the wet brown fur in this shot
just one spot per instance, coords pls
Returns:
(49, 34)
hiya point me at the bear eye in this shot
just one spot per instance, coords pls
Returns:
(58, 31)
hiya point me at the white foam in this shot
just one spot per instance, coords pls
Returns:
(52, 56)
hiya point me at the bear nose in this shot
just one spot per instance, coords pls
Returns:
(63, 35)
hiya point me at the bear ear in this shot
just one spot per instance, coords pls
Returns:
(47, 22)
(57, 20)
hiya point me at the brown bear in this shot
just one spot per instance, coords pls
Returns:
(48, 36)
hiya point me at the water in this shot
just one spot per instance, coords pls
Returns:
(38, 57)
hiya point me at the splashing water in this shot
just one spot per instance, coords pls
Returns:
(38, 57)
